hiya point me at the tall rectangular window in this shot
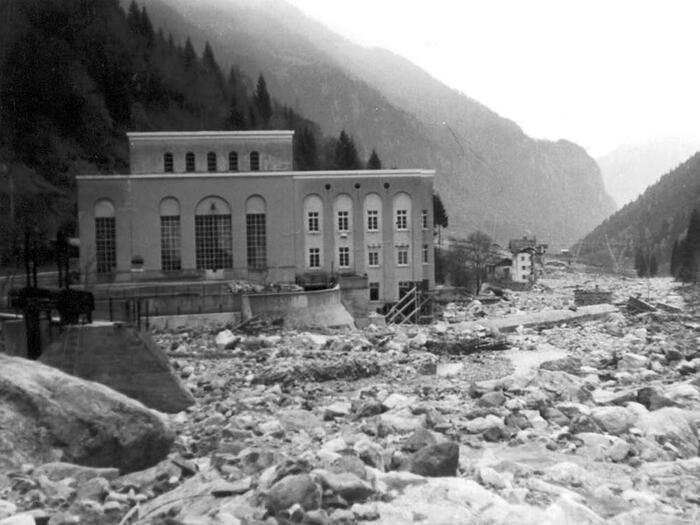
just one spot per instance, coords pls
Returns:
(256, 240)
(343, 221)
(189, 161)
(372, 220)
(374, 291)
(233, 161)
(211, 161)
(373, 258)
(402, 219)
(213, 242)
(314, 257)
(344, 257)
(424, 219)
(168, 162)
(170, 243)
(425, 254)
(313, 223)
(404, 288)
(105, 244)
(402, 257)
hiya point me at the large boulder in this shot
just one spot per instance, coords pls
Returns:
(47, 415)
(122, 358)
(674, 426)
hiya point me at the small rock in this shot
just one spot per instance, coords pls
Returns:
(436, 460)
(491, 478)
(297, 488)
(492, 399)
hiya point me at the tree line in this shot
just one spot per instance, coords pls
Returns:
(75, 76)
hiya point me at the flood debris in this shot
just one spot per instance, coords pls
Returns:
(580, 422)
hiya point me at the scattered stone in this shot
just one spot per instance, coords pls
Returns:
(436, 460)
(295, 489)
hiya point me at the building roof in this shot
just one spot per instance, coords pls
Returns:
(300, 175)
(158, 136)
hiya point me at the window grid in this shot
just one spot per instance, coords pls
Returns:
(313, 221)
(256, 240)
(374, 291)
(168, 162)
(373, 258)
(189, 161)
(343, 221)
(254, 161)
(372, 220)
(213, 242)
(233, 161)
(343, 257)
(170, 243)
(105, 244)
(211, 161)
(425, 254)
(402, 219)
(404, 288)
(424, 219)
(402, 257)
(314, 257)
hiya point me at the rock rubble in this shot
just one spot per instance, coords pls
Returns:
(588, 423)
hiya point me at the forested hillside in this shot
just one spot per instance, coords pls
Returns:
(653, 222)
(75, 75)
(490, 174)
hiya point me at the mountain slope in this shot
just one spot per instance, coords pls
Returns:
(629, 169)
(490, 174)
(654, 221)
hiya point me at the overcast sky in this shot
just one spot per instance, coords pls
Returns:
(598, 72)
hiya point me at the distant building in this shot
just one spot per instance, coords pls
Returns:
(528, 259)
(228, 205)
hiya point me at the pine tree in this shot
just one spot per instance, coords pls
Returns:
(640, 263)
(374, 163)
(675, 259)
(439, 212)
(305, 152)
(346, 157)
(211, 66)
(653, 269)
(146, 27)
(189, 55)
(236, 115)
(133, 18)
(262, 100)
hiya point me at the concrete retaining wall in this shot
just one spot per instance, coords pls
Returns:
(317, 309)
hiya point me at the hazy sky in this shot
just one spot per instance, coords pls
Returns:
(600, 73)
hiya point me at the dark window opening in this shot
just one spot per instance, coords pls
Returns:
(233, 161)
(211, 161)
(105, 244)
(256, 240)
(213, 242)
(189, 161)
(168, 163)
(254, 161)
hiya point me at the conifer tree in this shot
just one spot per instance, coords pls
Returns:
(346, 157)
(262, 100)
(146, 27)
(189, 55)
(305, 151)
(211, 66)
(640, 263)
(374, 163)
(133, 18)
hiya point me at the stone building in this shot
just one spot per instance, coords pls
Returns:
(228, 205)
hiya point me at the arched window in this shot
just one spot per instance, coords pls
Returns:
(342, 210)
(373, 213)
(170, 259)
(233, 161)
(254, 161)
(211, 161)
(105, 237)
(402, 212)
(168, 162)
(212, 234)
(256, 239)
(313, 226)
(189, 161)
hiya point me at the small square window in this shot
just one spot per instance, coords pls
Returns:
(374, 291)
(344, 257)
(314, 257)
(313, 222)
(402, 257)
(402, 219)
(343, 221)
(372, 220)
(373, 258)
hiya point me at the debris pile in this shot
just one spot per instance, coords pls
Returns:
(590, 423)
